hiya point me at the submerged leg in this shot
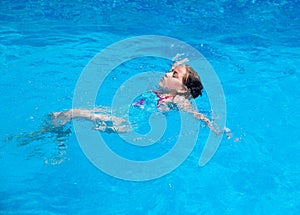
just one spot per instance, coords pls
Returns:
(104, 120)
(55, 125)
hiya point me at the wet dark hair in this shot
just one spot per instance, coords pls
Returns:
(192, 82)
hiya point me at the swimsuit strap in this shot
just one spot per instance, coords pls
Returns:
(160, 98)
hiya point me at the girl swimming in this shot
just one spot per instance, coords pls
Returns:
(176, 89)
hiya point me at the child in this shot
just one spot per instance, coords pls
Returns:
(176, 90)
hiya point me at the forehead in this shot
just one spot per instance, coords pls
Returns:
(181, 69)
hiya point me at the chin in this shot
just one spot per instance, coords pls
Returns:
(160, 84)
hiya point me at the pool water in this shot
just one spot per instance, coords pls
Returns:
(254, 48)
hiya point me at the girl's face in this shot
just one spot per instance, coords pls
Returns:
(173, 81)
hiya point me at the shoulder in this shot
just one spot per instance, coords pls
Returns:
(176, 102)
(182, 102)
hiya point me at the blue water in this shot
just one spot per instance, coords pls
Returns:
(254, 48)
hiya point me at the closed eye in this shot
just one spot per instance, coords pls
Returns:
(175, 74)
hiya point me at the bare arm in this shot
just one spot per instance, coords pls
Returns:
(185, 105)
(200, 116)
(213, 126)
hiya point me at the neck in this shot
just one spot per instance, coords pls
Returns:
(164, 93)
(171, 94)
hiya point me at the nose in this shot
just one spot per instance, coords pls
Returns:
(168, 74)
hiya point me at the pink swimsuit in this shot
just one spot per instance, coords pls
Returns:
(149, 96)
